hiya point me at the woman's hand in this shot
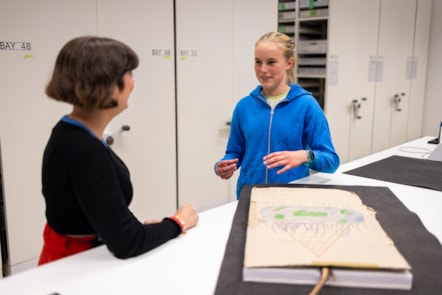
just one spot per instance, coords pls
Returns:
(226, 168)
(187, 213)
(288, 159)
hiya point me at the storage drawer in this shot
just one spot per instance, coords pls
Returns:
(322, 12)
(312, 47)
(288, 15)
(311, 71)
(286, 28)
(312, 61)
(287, 5)
(314, 3)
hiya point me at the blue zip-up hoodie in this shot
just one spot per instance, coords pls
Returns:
(296, 123)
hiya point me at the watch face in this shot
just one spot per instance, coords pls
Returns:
(312, 155)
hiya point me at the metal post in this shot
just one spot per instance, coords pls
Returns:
(6, 268)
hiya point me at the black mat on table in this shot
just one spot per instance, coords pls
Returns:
(404, 170)
(420, 248)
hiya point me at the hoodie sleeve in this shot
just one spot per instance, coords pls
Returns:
(318, 138)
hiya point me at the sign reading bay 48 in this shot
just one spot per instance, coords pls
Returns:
(6, 45)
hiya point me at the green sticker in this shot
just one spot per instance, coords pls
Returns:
(313, 12)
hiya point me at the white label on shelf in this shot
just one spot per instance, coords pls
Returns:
(380, 69)
(333, 66)
(12, 45)
(372, 69)
(188, 52)
(161, 52)
(376, 69)
(411, 68)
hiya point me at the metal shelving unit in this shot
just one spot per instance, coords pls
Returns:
(306, 22)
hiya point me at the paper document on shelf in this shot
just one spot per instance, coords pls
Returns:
(297, 227)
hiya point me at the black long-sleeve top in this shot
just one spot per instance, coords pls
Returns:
(87, 190)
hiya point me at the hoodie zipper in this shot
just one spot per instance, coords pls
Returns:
(268, 141)
(272, 111)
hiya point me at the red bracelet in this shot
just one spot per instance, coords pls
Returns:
(180, 222)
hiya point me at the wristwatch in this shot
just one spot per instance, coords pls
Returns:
(310, 157)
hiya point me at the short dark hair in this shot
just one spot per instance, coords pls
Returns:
(88, 68)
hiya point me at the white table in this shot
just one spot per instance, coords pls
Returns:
(190, 264)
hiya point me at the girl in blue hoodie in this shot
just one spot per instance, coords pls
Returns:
(278, 132)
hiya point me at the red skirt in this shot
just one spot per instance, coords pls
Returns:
(57, 246)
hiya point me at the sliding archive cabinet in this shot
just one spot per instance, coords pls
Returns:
(377, 58)
(31, 32)
(192, 55)
(215, 68)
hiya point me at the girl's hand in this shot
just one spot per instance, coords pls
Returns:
(288, 159)
(226, 168)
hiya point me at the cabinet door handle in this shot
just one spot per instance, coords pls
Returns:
(356, 107)
(397, 101)
(110, 138)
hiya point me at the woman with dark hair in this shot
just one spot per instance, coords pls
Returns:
(86, 186)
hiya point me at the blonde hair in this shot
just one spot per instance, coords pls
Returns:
(288, 49)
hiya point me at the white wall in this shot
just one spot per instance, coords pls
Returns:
(433, 100)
